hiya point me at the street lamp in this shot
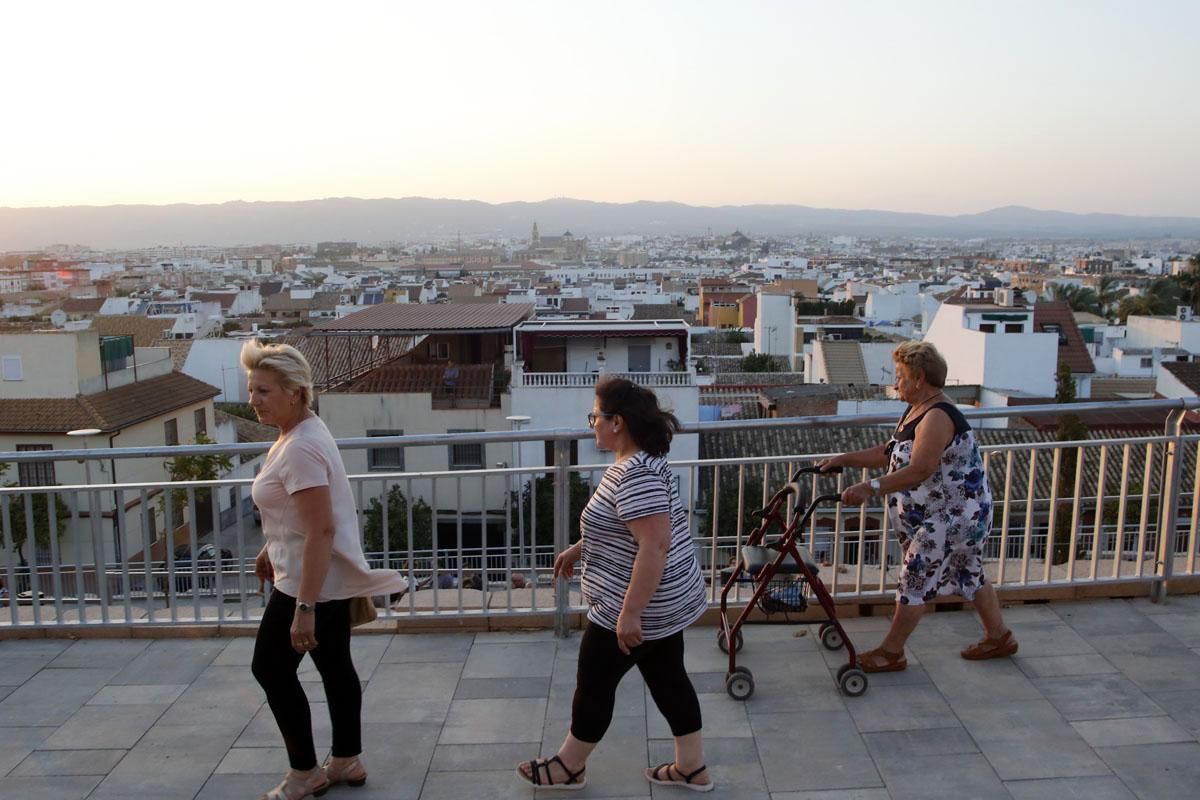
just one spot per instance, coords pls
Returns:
(83, 433)
(517, 421)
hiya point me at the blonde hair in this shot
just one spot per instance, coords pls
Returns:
(922, 358)
(285, 361)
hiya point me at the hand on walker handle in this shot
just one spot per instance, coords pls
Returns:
(833, 462)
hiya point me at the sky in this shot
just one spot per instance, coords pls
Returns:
(938, 107)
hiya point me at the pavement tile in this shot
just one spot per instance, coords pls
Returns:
(900, 708)
(964, 682)
(1029, 739)
(172, 762)
(171, 661)
(1183, 707)
(1155, 771)
(1164, 671)
(1184, 627)
(1139, 730)
(496, 720)
(812, 750)
(526, 659)
(51, 696)
(950, 741)
(17, 743)
(104, 727)
(1102, 617)
(257, 761)
(59, 787)
(474, 688)
(42, 763)
(480, 757)
(440, 647)
(929, 778)
(263, 732)
(1100, 787)
(100, 653)
(1099, 697)
(615, 768)
(218, 694)
(631, 698)
(1049, 639)
(225, 786)
(834, 794)
(138, 695)
(238, 653)
(500, 785)
(1055, 666)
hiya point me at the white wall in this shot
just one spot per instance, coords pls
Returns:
(877, 357)
(582, 353)
(52, 364)
(217, 363)
(774, 311)
(1167, 385)
(1159, 332)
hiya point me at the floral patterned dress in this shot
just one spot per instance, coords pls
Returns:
(941, 523)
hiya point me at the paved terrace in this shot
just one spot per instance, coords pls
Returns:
(1103, 702)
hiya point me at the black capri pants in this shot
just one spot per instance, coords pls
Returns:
(275, 664)
(601, 667)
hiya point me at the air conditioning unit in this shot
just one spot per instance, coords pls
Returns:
(1005, 297)
(1184, 313)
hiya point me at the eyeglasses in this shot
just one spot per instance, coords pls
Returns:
(593, 417)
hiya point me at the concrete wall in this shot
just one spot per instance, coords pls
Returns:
(217, 363)
(773, 325)
(52, 364)
(1160, 332)
(582, 353)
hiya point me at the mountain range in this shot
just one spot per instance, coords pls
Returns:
(371, 221)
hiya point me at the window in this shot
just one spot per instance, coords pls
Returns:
(35, 474)
(987, 327)
(1054, 327)
(1014, 327)
(171, 431)
(385, 459)
(12, 368)
(466, 456)
(201, 421)
(1147, 363)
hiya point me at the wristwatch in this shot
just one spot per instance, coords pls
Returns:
(307, 608)
(874, 484)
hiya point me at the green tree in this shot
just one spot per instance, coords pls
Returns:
(206, 467)
(1108, 293)
(735, 336)
(1161, 297)
(1189, 282)
(727, 506)
(1071, 428)
(759, 362)
(41, 519)
(397, 523)
(1079, 298)
(543, 489)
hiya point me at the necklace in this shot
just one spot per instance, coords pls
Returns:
(912, 409)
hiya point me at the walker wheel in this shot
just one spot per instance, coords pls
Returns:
(851, 680)
(740, 684)
(723, 643)
(831, 637)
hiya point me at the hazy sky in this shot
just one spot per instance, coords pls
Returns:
(944, 107)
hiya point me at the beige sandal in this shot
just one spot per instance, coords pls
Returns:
(352, 773)
(296, 786)
(880, 660)
(1006, 645)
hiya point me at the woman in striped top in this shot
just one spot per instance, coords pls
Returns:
(643, 586)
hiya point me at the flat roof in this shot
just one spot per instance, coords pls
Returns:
(601, 326)
(411, 318)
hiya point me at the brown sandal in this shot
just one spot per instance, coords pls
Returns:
(880, 660)
(1006, 645)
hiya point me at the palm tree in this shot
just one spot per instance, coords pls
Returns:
(1189, 282)
(1079, 298)
(1108, 292)
(1160, 298)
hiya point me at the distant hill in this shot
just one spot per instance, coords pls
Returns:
(382, 220)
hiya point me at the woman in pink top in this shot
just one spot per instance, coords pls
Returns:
(314, 557)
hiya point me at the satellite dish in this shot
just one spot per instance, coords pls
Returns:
(58, 318)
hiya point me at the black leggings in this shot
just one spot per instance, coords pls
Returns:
(601, 667)
(275, 664)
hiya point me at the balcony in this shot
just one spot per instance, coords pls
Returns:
(1102, 695)
(587, 380)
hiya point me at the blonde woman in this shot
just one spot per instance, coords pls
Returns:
(939, 504)
(314, 558)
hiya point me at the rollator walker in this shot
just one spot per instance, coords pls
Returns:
(762, 563)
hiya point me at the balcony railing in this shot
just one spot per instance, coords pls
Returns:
(1067, 514)
(586, 380)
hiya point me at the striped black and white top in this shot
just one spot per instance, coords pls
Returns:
(638, 487)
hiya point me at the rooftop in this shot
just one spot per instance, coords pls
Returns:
(400, 318)
(1103, 700)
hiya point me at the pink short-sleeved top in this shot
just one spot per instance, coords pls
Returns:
(305, 457)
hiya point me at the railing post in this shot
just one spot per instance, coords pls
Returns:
(1169, 516)
(562, 531)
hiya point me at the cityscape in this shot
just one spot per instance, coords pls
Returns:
(758, 242)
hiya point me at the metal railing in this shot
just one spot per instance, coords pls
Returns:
(586, 380)
(481, 543)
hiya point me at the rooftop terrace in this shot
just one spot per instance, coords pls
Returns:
(1101, 702)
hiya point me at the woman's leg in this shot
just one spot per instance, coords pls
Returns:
(601, 667)
(666, 676)
(342, 688)
(904, 622)
(987, 605)
(274, 667)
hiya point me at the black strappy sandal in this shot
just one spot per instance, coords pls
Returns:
(652, 775)
(573, 781)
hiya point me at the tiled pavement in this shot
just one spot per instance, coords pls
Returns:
(1102, 702)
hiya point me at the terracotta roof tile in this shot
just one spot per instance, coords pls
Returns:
(82, 305)
(109, 411)
(1073, 351)
(146, 331)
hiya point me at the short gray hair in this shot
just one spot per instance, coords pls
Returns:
(922, 358)
(287, 362)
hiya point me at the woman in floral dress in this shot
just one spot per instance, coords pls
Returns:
(938, 503)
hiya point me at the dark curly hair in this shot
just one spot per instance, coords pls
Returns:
(650, 427)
